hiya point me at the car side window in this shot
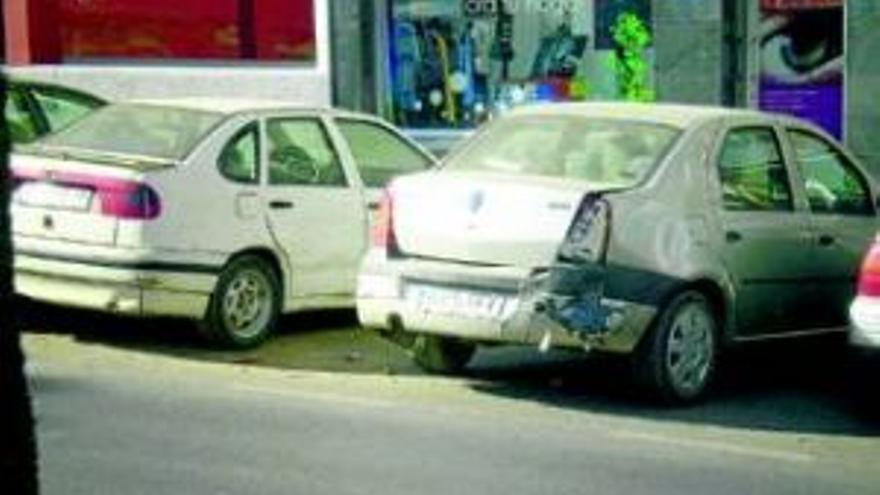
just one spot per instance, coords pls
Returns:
(379, 154)
(832, 183)
(300, 154)
(20, 121)
(752, 172)
(239, 161)
(61, 108)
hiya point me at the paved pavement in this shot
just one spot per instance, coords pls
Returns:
(141, 407)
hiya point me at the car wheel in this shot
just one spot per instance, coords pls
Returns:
(245, 304)
(442, 355)
(677, 359)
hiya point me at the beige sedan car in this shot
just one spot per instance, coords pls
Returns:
(659, 231)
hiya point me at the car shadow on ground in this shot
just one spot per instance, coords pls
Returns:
(320, 341)
(804, 387)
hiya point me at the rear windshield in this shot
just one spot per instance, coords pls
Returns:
(615, 153)
(137, 129)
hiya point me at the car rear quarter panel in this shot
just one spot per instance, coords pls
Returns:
(204, 216)
(663, 233)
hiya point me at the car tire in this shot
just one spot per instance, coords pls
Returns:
(677, 359)
(244, 307)
(441, 355)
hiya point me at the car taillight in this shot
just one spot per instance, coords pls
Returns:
(120, 198)
(128, 200)
(869, 276)
(383, 224)
(587, 236)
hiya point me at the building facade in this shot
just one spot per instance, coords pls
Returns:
(451, 64)
(134, 49)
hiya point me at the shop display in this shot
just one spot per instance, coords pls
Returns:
(455, 64)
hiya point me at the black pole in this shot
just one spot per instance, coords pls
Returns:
(247, 34)
(18, 449)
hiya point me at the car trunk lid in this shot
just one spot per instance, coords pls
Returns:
(482, 218)
(75, 200)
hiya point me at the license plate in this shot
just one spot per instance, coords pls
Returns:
(466, 303)
(46, 195)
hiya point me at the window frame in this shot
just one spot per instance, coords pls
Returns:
(329, 140)
(250, 127)
(844, 158)
(778, 140)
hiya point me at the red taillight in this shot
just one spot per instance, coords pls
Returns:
(383, 224)
(129, 200)
(869, 276)
(120, 198)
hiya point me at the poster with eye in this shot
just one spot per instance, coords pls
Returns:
(802, 61)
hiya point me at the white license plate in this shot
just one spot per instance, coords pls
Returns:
(466, 303)
(43, 194)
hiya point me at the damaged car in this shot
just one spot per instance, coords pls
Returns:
(662, 232)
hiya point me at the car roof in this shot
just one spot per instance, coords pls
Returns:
(677, 115)
(234, 105)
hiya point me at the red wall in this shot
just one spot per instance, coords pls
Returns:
(54, 31)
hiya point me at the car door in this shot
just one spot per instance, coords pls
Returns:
(379, 153)
(765, 245)
(843, 217)
(315, 209)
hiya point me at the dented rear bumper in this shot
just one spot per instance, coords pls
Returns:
(564, 306)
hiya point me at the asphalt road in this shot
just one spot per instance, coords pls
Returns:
(142, 407)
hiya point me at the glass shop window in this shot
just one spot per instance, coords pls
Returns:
(454, 63)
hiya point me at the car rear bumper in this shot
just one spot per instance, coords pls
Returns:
(383, 304)
(138, 288)
(865, 322)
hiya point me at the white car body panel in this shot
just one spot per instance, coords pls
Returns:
(865, 318)
(518, 222)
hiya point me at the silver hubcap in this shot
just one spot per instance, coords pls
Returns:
(690, 348)
(247, 304)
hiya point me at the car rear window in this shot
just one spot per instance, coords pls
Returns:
(137, 129)
(612, 152)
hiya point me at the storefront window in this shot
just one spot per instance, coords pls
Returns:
(183, 30)
(455, 63)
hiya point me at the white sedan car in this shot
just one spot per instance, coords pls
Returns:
(226, 211)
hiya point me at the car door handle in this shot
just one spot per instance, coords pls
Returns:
(826, 240)
(373, 205)
(732, 236)
(280, 205)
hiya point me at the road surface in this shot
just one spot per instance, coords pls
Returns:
(117, 420)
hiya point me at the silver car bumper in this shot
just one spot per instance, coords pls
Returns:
(114, 290)
(513, 312)
(865, 318)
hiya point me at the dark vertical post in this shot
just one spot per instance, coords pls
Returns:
(733, 53)
(247, 29)
(18, 451)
